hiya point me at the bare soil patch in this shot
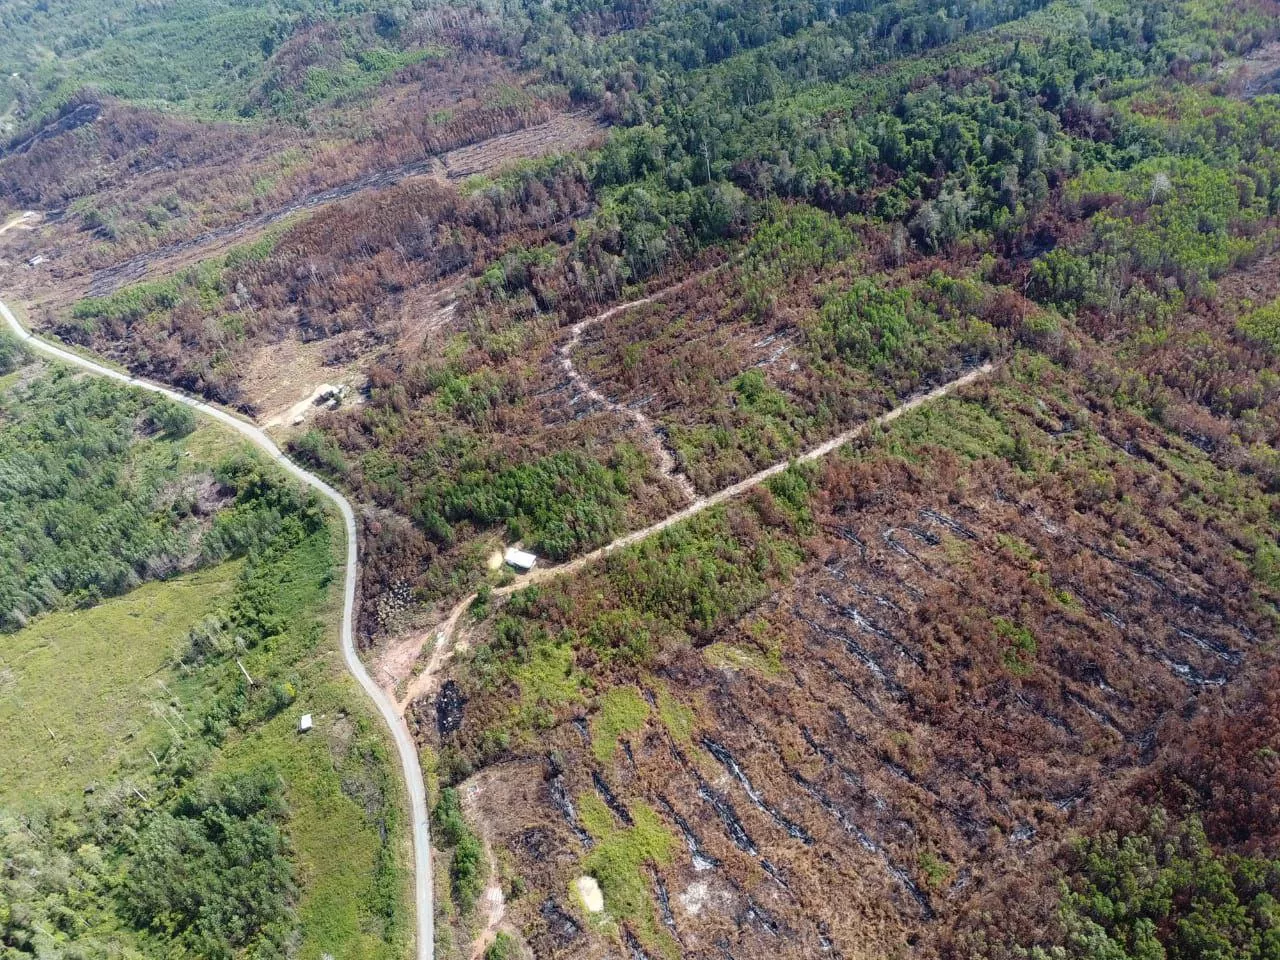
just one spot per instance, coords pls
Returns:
(563, 133)
(283, 378)
(1259, 74)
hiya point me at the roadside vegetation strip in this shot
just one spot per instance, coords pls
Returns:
(424, 682)
(391, 715)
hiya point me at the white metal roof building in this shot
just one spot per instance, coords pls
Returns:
(520, 559)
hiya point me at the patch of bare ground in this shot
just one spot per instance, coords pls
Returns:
(411, 666)
(286, 383)
(492, 906)
(426, 312)
(514, 789)
(563, 133)
(26, 220)
(1259, 73)
(283, 381)
(1257, 284)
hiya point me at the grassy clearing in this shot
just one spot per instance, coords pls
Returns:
(622, 710)
(352, 890)
(340, 783)
(142, 696)
(679, 719)
(620, 861)
(549, 679)
(93, 677)
(105, 681)
(728, 656)
(208, 445)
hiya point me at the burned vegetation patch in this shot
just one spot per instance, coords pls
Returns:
(753, 362)
(355, 266)
(995, 617)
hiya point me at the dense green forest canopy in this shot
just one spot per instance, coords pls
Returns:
(98, 493)
(1163, 891)
(84, 515)
(200, 56)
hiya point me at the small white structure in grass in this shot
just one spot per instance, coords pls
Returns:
(519, 559)
(305, 723)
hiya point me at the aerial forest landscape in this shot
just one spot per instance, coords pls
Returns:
(639, 479)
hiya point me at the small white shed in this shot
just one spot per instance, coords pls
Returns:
(305, 723)
(519, 559)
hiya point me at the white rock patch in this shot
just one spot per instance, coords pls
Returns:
(694, 897)
(590, 893)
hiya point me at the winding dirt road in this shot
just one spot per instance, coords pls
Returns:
(652, 437)
(390, 712)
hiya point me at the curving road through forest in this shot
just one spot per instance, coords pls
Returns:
(405, 745)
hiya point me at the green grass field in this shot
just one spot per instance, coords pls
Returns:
(84, 695)
(337, 781)
(201, 57)
(80, 691)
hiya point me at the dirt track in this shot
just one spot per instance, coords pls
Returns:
(444, 634)
(1260, 72)
(653, 438)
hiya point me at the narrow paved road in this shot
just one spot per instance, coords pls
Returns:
(405, 745)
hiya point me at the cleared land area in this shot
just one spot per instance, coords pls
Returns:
(82, 692)
(992, 671)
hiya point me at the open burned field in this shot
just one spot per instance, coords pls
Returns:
(350, 271)
(752, 363)
(131, 193)
(930, 667)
